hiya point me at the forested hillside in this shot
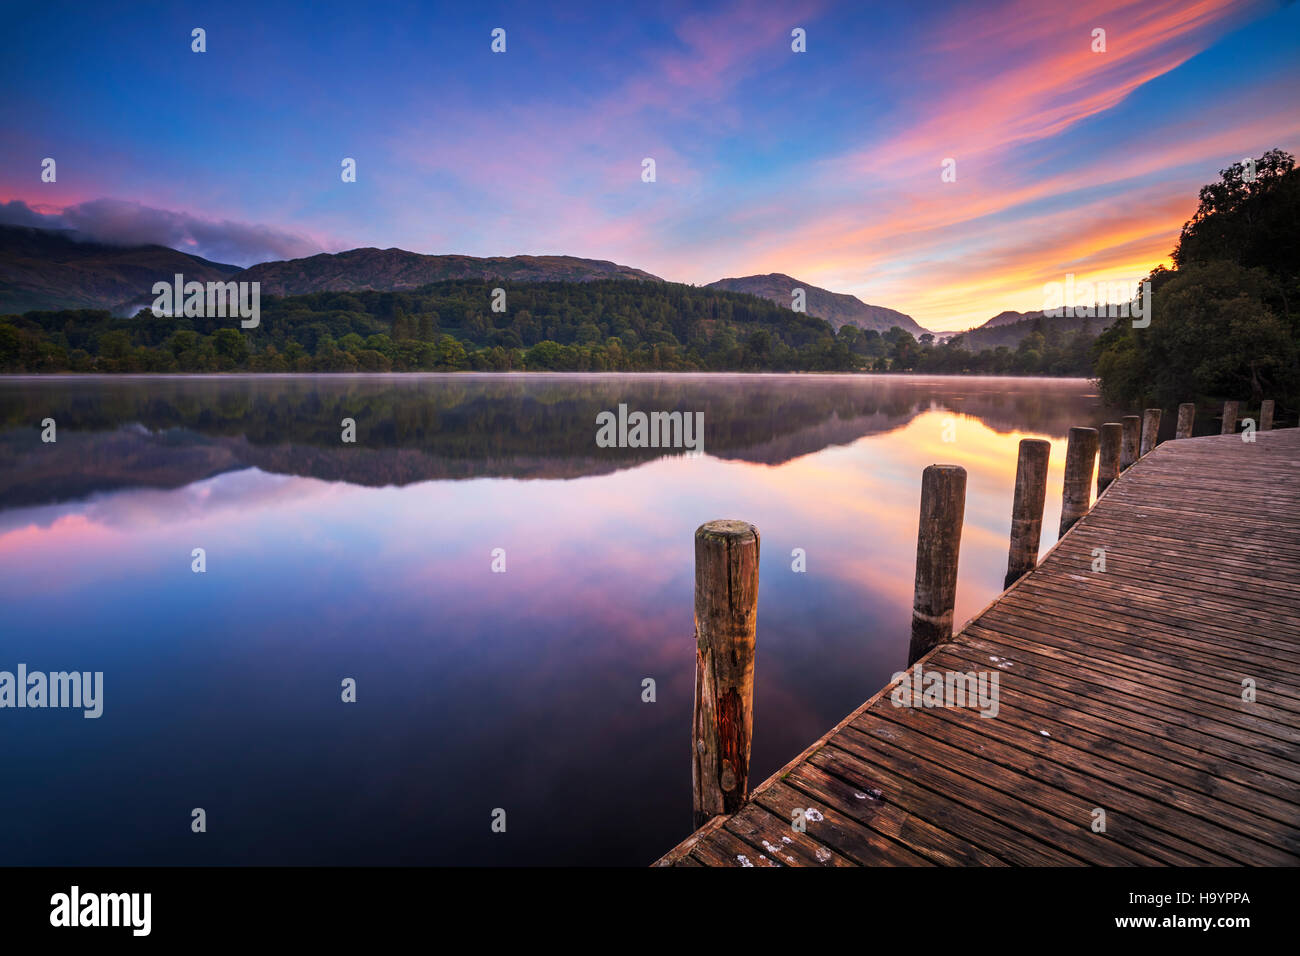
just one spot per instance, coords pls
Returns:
(615, 325)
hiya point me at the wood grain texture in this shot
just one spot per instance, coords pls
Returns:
(1080, 464)
(1150, 430)
(1027, 506)
(726, 622)
(938, 544)
(1119, 691)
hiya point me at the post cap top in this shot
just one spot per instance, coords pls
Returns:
(726, 528)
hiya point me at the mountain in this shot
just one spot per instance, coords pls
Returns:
(1009, 318)
(396, 270)
(1010, 333)
(45, 269)
(836, 308)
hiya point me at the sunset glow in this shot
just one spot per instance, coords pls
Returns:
(824, 165)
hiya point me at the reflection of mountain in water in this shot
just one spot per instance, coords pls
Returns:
(169, 432)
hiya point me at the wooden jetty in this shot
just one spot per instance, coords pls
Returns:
(1148, 713)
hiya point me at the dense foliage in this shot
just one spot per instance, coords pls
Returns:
(615, 325)
(1226, 324)
(1043, 346)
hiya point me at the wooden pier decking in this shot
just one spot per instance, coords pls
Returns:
(1119, 691)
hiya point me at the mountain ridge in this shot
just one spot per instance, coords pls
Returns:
(52, 269)
(1009, 317)
(49, 270)
(837, 308)
(398, 270)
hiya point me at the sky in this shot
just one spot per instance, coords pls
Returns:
(826, 164)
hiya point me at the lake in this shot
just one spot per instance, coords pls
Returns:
(476, 689)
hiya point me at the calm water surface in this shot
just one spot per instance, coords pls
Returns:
(475, 690)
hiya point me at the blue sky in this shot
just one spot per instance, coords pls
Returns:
(824, 164)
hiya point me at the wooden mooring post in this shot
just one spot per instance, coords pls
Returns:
(938, 542)
(1080, 459)
(1150, 430)
(1108, 469)
(1186, 419)
(1027, 508)
(1266, 415)
(1129, 446)
(1230, 409)
(726, 617)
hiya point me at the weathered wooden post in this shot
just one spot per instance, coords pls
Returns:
(938, 542)
(726, 616)
(1080, 459)
(1266, 415)
(1150, 430)
(1186, 418)
(1027, 507)
(1129, 446)
(1229, 418)
(1112, 433)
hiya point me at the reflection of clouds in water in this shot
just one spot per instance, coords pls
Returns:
(109, 519)
(144, 508)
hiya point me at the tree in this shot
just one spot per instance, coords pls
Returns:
(544, 356)
(230, 344)
(1212, 335)
(10, 345)
(451, 353)
(1249, 222)
(1223, 324)
(183, 340)
(115, 344)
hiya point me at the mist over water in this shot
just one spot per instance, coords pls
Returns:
(475, 690)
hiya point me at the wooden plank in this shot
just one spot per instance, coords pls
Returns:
(956, 828)
(834, 830)
(1224, 798)
(1065, 814)
(874, 808)
(723, 848)
(1223, 703)
(769, 834)
(1149, 738)
(1065, 762)
(1054, 615)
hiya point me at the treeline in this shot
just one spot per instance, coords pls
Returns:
(1012, 334)
(612, 325)
(1045, 346)
(616, 325)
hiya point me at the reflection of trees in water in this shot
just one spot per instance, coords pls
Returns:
(418, 428)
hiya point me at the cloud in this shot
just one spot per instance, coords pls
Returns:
(120, 223)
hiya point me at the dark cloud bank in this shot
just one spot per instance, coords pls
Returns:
(120, 223)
